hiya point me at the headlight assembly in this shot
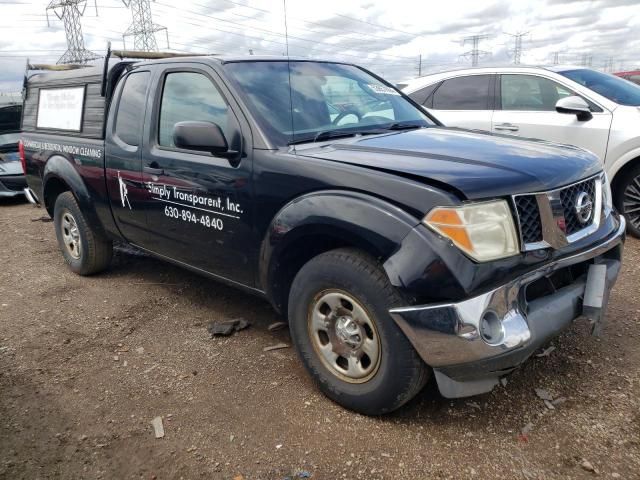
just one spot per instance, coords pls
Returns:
(484, 231)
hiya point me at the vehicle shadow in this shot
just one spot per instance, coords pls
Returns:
(12, 201)
(429, 406)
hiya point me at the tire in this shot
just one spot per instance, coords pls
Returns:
(627, 199)
(83, 249)
(341, 286)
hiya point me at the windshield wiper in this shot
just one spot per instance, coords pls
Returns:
(330, 134)
(402, 126)
(324, 135)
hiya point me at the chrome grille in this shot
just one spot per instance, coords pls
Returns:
(568, 197)
(530, 224)
(559, 217)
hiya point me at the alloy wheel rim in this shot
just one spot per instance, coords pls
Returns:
(344, 336)
(70, 235)
(631, 202)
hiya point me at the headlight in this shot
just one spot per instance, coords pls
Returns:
(484, 231)
(607, 197)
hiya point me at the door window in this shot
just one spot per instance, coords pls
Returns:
(190, 96)
(128, 127)
(531, 93)
(463, 93)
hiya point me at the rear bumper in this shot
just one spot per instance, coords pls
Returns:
(470, 344)
(12, 185)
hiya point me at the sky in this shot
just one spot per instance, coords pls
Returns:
(385, 36)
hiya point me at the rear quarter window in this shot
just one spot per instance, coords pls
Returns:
(424, 95)
(130, 115)
(463, 93)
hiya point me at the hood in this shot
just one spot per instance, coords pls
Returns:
(479, 165)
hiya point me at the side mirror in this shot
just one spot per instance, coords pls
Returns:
(200, 136)
(574, 105)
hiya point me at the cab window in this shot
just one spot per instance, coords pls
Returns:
(463, 93)
(190, 96)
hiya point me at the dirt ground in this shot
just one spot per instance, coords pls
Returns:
(87, 363)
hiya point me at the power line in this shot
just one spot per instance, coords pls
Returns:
(70, 11)
(199, 15)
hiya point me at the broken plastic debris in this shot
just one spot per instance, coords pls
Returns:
(544, 394)
(224, 329)
(158, 428)
(275, 347)
(558, 401)
(546, 352)
(274, 327)
(587, 465)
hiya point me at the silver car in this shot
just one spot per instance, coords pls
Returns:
(12, 180)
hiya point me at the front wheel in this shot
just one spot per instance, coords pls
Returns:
(627, 199)
(340, 323)
(85, 251)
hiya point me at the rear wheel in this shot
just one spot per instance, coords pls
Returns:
(627, 199)
(340, 323)
(85, 251)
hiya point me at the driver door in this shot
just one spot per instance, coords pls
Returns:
(200, 205)
(527, 108)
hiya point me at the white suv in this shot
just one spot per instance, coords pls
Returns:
(571, 105)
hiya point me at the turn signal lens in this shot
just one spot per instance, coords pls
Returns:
(484, 231)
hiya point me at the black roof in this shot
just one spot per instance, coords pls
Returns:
(94, 73)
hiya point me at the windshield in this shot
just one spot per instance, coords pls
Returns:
(609, 86)
(329, 100)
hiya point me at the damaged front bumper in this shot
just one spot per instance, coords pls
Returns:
(472, 343)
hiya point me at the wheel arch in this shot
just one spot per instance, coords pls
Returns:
(323, 221)
(623, 166)
(59, 176)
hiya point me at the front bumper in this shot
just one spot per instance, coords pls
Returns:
(472, 343)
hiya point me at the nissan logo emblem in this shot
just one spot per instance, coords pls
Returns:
(583, 207)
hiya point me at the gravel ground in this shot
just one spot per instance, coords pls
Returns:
(86, 364)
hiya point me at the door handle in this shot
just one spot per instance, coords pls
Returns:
(153, 169)
(507, 126)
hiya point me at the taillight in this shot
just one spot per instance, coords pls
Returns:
(23, 159)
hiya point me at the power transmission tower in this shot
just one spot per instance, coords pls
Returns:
(517, 51)
(587, 60)
(556, 58)
(142, 28)
(475, 53)
(70, 11)
(420, 66)
(609, 65)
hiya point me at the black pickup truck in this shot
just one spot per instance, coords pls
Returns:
(395, 247)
